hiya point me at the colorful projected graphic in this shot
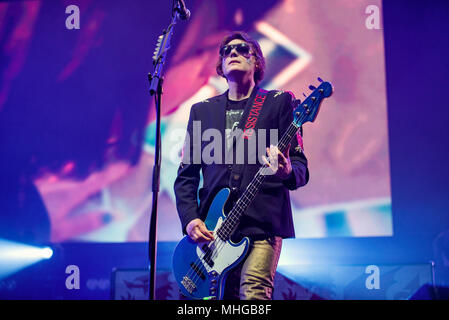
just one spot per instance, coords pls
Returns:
(77, 121)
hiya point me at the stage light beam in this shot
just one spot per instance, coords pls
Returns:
(15, 256)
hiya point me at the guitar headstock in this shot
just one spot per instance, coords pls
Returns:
(309, 108)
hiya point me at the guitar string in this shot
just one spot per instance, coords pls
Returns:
(293, 128)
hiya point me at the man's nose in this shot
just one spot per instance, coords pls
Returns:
(234, 52)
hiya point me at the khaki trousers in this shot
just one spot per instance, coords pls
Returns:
(253, 278)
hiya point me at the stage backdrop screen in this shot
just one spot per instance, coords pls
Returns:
(77, 122)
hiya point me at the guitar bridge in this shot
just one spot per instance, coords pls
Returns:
(188, 284)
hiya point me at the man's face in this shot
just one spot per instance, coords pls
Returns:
(238, 60)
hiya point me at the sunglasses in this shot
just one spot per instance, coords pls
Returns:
(241, 48)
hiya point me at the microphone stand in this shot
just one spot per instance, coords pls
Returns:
(156, 80)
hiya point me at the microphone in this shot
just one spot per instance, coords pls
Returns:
(183, 12)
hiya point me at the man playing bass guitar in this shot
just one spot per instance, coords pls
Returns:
(268, 219)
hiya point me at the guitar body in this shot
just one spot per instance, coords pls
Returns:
(201, 269)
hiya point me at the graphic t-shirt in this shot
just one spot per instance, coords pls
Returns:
(234, 111)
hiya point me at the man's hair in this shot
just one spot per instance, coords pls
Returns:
(255, 48)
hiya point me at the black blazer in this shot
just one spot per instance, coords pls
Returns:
(270, 213)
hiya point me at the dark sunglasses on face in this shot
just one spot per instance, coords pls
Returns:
(241, 48)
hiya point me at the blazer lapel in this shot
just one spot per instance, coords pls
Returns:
(219, 112)
(218, 119)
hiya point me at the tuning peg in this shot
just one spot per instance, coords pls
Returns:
(320, 80)
(312, 87)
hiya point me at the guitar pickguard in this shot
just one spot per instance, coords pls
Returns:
(224, 253)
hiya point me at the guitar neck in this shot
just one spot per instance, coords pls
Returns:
(233, 217)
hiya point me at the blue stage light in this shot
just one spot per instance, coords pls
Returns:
(15, 256)
(47, 252)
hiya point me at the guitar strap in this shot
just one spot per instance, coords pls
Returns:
(247, 127)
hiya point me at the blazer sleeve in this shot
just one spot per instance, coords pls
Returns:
(188, 179)
(300, 172)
